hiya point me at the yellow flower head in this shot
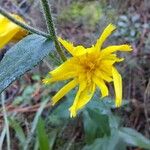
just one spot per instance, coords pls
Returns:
(89, 68)
(10, 31)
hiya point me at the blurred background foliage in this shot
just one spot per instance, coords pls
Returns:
(34, 124)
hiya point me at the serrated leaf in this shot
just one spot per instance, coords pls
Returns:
(132, 137)
(22, 57)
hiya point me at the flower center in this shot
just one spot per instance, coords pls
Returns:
(89, 63)
(89, 66)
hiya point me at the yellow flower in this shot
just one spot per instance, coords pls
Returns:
(89, 68)
(10, 32)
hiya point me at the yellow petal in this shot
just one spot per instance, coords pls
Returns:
(19, 35)
(103, 75)
(60, 77)
(72, 109)
(7, 35)
(65, 67)
(63, 72)
(22, 32)
(106, 67)
(8, 29)
(116, 59)
(79, 50)
(63, 91)
(82, 86)
(75, 51)
(82, 98)
(107, 31)
(101, 85)
(91, 50)
(107, 62)
(3, 22)
(110, 49)
(68, 46)
(112, 57)
(118, 87)
(47, 81)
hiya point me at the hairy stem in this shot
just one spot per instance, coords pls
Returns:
(51, 28)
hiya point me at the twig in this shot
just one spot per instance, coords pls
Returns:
(72, 141)
(146, 96)
(33, 108)
(6, 120)
(34, 123)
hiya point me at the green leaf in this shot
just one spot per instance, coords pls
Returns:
(107, 143)
(90, 135)
(101, 120)
(45, 142)
(18, 129)
(42, 136)
(53, 135)
(99, 123)
(60, 114)
(22, 57)
(132, 137)
(104, 104)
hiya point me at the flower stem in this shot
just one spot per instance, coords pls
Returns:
(24, 26)
(50, 25)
